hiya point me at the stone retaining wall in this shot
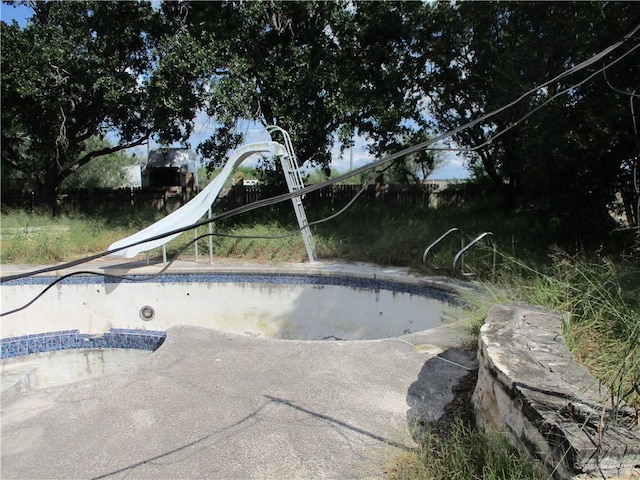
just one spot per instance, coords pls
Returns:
(530, 388)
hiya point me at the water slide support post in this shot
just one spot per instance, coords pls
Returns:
(210, 238)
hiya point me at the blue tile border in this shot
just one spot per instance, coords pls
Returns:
(72, 339)
(259, 278)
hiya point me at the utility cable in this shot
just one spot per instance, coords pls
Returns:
(130, 278)
(631, 94)
(490, 139)
(389, 158)
(424, 145)
(143, 278)
(222, 216)
(147, 277)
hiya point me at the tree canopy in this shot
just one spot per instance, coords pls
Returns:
(105, 171)
(323, 71)
(396, 73)
(75, 71)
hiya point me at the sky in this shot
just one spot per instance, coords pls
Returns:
(452, 167)
(20, 13)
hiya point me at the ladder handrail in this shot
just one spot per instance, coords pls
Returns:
(292, 175)
(288, 145)
(436, 242)
(461, 253)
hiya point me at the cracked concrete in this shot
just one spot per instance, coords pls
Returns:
(209, 404)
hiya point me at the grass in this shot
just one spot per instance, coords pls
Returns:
(601, 301)
(600, 296)
(385, 236)
(37, 238)
(454, 448)
(464, 453)
(247, 241)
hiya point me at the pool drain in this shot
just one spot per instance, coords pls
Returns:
(147, 313)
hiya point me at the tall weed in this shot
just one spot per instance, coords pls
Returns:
(36, 247)
(37, 238)
(465, 453)
(601, 300)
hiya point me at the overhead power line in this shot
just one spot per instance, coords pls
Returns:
(377, 163)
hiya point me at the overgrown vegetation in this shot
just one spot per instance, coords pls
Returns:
(37, 238)
(600, 300)
(599, 292)
(464, 453)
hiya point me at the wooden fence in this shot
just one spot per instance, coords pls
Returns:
(334, 196)
(340, 195)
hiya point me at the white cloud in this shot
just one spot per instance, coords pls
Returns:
(203, 127)
(453, 167)
(351, 158)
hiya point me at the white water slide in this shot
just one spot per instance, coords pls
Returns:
(196, 208)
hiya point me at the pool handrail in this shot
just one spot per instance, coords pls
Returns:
(425, 255)
(460, 254)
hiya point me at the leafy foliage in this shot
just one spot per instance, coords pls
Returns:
(75, 71)
(106, 171)
(320, 70)
(562, 161)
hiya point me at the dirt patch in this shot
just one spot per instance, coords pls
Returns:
(429, 415)
(460, 407)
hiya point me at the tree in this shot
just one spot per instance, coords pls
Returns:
(323, 71)
(105, 171)
(77, 70)
(563, 160)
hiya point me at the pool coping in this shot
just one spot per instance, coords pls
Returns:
(319, 268)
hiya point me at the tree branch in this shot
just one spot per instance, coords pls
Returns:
(99, 153)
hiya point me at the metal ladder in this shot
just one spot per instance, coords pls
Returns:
(458, 266)
(292, 175)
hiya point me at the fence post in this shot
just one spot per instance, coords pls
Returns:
(210, 238)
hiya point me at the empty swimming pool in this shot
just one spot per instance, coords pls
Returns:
(205, 394)
(94, 311)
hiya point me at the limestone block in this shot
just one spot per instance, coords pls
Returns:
(531, 389)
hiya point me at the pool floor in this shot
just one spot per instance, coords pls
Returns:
(208, 404)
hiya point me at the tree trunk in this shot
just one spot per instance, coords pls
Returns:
(47, 194)
(490, 167)
(49, 189)
(511, 192)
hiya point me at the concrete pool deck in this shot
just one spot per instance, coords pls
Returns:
(209, 404)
